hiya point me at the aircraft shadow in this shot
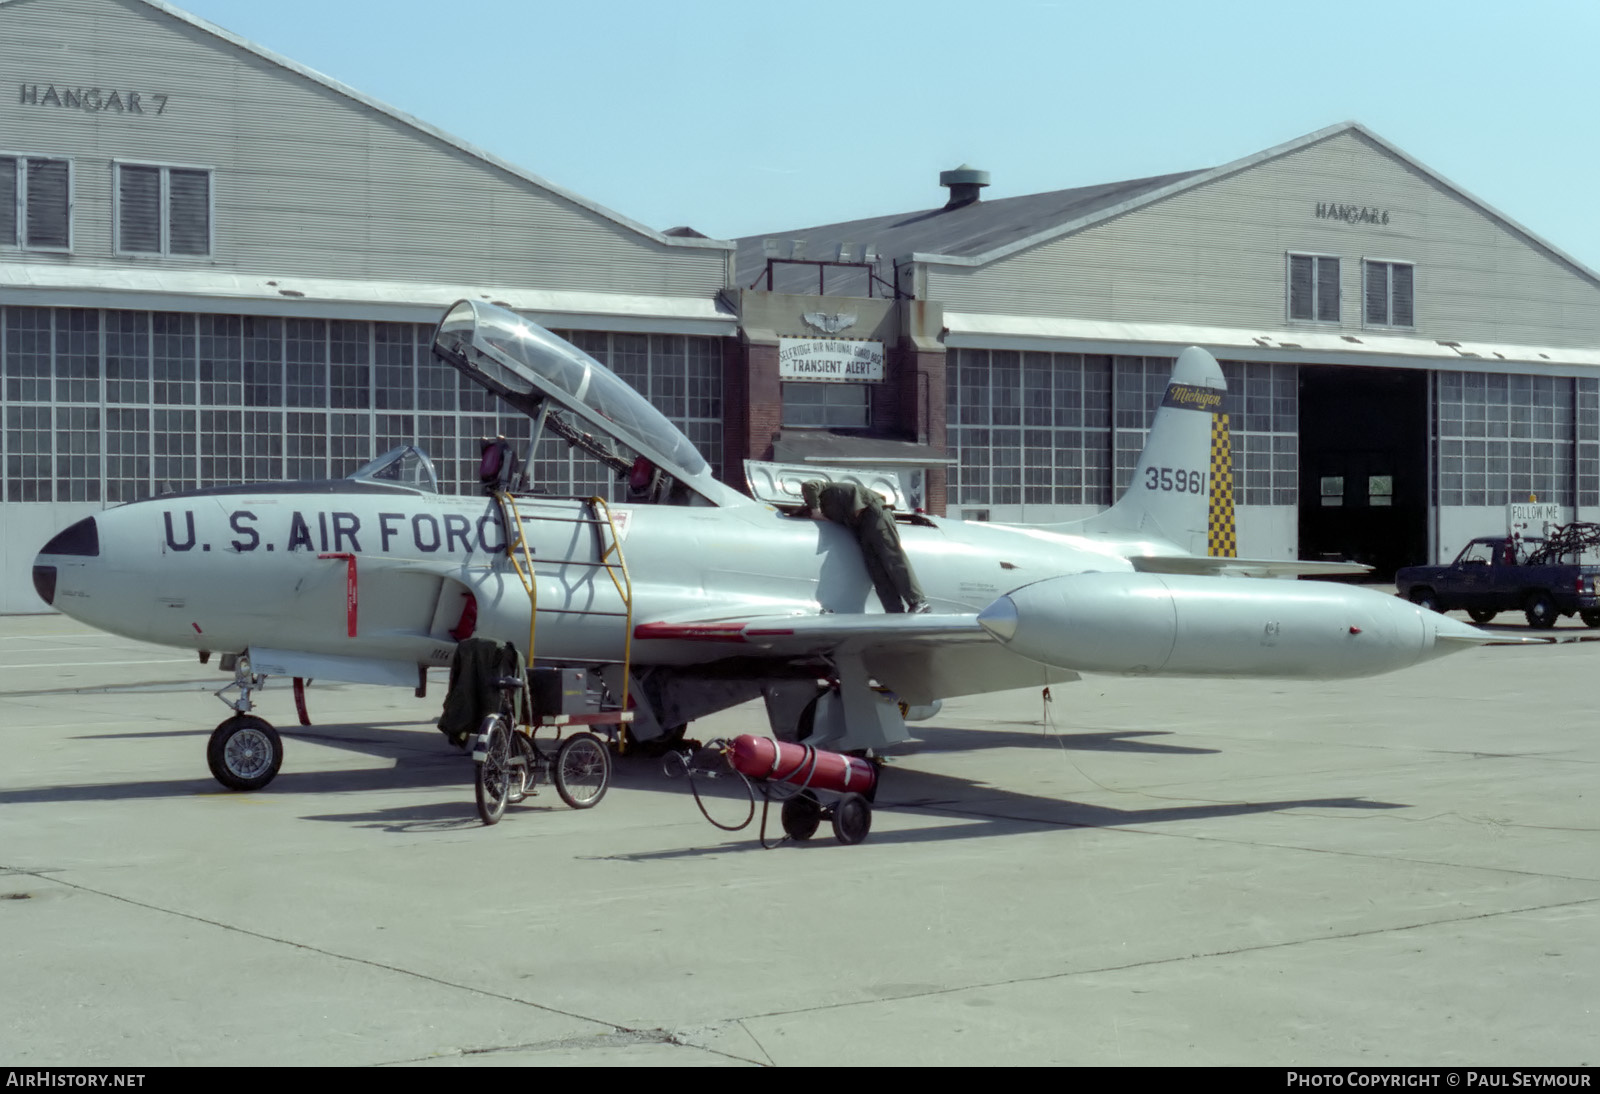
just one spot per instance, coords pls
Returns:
(448, 816)
(983, 810)
(933, 738)
(421, 760)
(418, 759)
(385, 741)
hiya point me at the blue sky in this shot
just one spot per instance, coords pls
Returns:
(744, 118)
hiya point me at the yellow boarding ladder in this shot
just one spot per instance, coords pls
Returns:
(517, 540)
(609, 556)
(624, 586)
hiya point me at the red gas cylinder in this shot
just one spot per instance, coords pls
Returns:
(801, 765)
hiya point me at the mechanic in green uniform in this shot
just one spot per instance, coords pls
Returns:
(861, 510)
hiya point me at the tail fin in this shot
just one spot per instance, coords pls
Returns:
(1182, 490)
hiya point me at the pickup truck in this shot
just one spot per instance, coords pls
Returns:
(1487, 578)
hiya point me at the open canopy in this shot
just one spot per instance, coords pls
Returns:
(527, 366)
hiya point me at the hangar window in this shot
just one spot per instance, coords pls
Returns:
(28, 453)
(78, 465)
(127, 453)
(1588, 430)
(1502, 437)
(1388, 294)
(1314, 288)
(162, 210)
(127, 359)
(172, 359)
(1028, 428)
(836, 406)
(35, 203)
(172, 449)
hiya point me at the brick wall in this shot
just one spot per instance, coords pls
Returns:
(752, 406)
(908, 405)
(927, 411)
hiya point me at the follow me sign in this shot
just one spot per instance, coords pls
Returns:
(840, 359)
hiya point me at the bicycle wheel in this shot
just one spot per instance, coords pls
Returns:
(582, 770)
(492, 754)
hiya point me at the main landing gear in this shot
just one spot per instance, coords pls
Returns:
(244, 752)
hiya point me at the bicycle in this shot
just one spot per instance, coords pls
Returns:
(509, 761)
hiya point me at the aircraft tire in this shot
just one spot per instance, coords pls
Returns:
(1482, 615)
(801, 815)
(1540, 611)
(852, 819)
(244, 752)
(582, 770)
(492, 784)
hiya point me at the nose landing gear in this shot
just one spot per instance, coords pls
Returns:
(244, 752)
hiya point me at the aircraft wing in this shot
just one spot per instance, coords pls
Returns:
(919, 657)
(1242, 567)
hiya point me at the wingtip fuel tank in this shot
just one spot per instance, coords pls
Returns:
(1183, 625)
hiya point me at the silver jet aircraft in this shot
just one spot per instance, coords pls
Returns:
(694, 597)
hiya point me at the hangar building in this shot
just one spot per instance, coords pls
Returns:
(1402, 360)
(217, 265)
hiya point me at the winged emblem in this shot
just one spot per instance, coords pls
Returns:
(829, 324)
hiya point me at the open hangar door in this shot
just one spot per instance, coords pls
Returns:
(1364, 466)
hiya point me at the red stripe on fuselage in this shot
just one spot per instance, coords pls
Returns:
(698, 632)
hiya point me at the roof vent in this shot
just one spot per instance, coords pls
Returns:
(964, 183)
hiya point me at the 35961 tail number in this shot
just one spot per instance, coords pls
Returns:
(1175, 479)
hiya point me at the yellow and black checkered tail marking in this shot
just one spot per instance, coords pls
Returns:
(1221, 541)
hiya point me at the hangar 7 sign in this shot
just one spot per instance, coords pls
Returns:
(837, 359)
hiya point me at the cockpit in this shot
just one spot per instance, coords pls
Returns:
(407, 466)
(570, 395)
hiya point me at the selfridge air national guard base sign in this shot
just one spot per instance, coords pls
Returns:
(840, 359)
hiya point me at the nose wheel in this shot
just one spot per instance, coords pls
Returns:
(244, 752)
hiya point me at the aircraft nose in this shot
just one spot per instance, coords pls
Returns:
(81, 539)
(1000, 619)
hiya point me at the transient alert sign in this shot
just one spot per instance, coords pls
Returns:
(841, 360)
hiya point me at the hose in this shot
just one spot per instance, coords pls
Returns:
(684, 764)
